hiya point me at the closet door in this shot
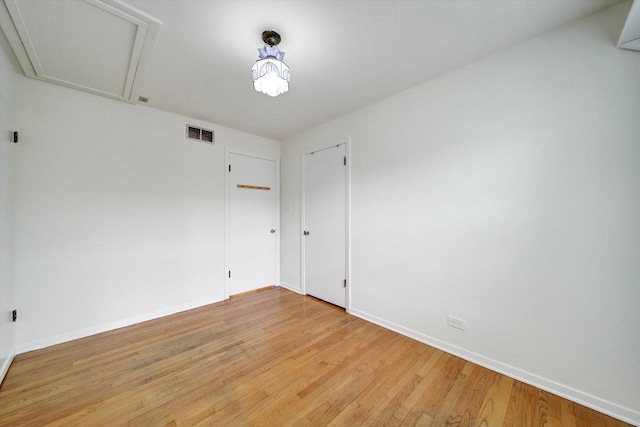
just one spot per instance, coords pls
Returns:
(325, 224)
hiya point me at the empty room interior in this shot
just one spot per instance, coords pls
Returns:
(380, 212)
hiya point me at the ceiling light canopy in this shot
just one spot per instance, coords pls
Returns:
(270, 74)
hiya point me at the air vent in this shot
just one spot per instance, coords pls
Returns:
(199, 134)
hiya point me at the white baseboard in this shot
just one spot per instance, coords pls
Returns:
(604, 406)
(82, 333)
(6, 363)
(291, 288)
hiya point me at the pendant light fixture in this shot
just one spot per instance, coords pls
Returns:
(270, 74)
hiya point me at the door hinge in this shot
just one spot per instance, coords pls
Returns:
(345, 283)
(345, 160)
(229, 168)
(14, 315)
(229, 274)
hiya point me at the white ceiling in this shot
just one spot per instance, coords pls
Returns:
(343, 55)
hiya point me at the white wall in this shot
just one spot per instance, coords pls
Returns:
(507, 194)
(7, 147)
(119, 218)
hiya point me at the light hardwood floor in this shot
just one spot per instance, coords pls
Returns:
(268, 358)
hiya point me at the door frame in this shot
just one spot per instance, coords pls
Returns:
(227, 215)
(347, 205)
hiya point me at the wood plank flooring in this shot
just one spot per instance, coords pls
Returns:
(268, 358)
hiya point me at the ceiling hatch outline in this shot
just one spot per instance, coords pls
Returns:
(126, 64)
(630, 36)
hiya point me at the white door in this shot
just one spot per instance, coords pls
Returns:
(252, 223)
(325, 224)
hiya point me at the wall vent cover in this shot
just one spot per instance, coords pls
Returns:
(199, 134)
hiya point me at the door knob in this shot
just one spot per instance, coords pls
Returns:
(273, 230)
(306, 233)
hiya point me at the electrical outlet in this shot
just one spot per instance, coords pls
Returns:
(454, 322)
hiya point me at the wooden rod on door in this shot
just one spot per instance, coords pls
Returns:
(253, 187)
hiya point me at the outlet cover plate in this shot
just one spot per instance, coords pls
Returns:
(455, 322)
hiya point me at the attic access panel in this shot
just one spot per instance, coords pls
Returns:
(98, 46)
(630, 37)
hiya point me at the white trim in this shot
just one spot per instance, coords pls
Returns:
(630, 35)
(604, 406)
(227, 229)
(121, 11)
(303, 290)
(347, 143)
(82, 333)
(25, 39)
(278, 223)
(290, 287)
(7, 363)
(347, 208)
(13, 37)
(227, 234)
(152, 31)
